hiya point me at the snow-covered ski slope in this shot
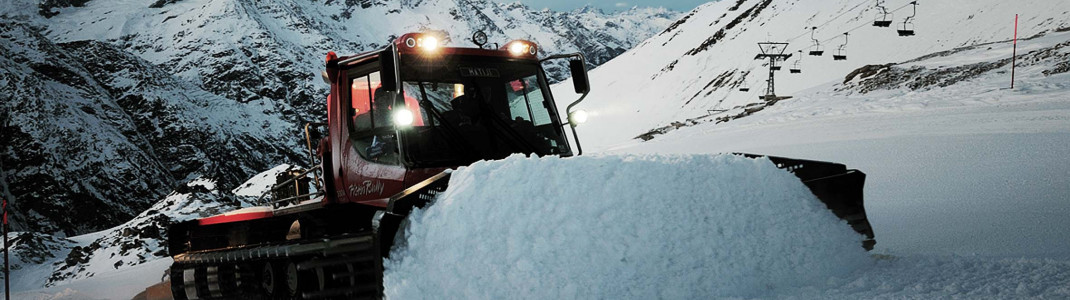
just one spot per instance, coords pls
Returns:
(957, 162)
(700, 62)
(970, 168)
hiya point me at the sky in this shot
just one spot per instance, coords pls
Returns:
(609, 5)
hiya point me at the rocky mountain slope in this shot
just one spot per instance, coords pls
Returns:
(96, 135)
(42, 260)
(113, 104)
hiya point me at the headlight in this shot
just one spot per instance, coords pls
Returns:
(403, 117)
(429, 43)
(518, 48)
(578, 117)
(425, 42)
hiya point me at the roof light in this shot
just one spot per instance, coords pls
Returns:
(331, 56)
(518, 48)
(429, 43)
(425, 42)
(521, 48)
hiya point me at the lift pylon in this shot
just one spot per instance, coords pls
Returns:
(774, 52)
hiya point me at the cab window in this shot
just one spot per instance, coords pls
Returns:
(372, 130)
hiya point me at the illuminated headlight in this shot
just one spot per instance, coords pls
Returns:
(403, 118)
(429, 43)
(578, 117)
(518, 48)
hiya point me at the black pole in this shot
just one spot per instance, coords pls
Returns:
(1014, 55)
(770, 91)
(4, 193)
(7, 269)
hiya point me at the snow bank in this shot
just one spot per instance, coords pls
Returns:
(621, 227)
(261, 183)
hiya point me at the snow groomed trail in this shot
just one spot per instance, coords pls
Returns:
(621, 227)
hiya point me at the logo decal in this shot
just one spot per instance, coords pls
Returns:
(480, 72)
(367, 188)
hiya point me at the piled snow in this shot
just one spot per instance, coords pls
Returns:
(261, 183)
(621, 227)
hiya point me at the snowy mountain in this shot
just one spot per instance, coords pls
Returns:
(966, 188)
(42, 260)
(165, 92)
(96, 134)
(957, 162)
(697, 65)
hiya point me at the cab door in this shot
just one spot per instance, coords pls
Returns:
(374, 170)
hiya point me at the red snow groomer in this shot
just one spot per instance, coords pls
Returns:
(397, 119)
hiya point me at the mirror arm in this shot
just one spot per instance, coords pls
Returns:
(568, 115)
(568, 109)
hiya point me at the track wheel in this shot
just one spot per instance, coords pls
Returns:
(299, 282)
(273, 281)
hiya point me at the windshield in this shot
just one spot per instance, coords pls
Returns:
(473, 108)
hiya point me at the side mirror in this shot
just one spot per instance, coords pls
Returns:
(388, 70)
(579, 76)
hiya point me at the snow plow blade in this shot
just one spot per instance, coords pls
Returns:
(836, 186)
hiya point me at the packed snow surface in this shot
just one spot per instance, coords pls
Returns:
(621, 227)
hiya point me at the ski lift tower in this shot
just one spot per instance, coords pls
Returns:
(774, 52)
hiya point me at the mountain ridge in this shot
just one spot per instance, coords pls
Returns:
(214, 89)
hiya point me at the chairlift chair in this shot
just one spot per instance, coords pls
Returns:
(908, 24)
(907, 29)
(841, 52)
(816, 49)
(795, 67)
(883, 18)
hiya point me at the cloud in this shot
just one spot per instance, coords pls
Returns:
(621, 4)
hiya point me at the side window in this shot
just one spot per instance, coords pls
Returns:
(360, 89)
(526, 101)
(382, 102)
(372, 134)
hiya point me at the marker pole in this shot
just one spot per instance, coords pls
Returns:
(1014, 56)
